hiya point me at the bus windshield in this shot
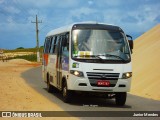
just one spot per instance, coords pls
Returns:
(99, 44)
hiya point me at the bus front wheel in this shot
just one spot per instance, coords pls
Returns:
(121, 98)
(66, 93)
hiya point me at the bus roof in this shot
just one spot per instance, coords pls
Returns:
(69, 27)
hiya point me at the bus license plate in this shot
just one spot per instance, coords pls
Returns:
(103, 83)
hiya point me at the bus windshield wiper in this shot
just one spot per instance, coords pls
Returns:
(107, 55)
(97, 56)
(110, 55)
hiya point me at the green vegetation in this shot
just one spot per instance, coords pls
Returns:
(20, 48)
(24, 50)
(32, 58)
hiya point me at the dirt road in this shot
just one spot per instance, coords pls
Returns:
(16, 95)
(19, 95)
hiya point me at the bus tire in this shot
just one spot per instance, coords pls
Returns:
(66, 93)
(120, 98)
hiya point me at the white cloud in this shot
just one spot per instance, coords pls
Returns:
(144, 16)
(33, 12)
(82, 10)
(107, 3)
(39, 3)
(1, 1)
(90, 2)
(10, 19)
(11, 9)
(65, 3)
(112, 16)
(48, 3)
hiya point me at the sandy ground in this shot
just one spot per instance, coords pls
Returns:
(146, 66)
(16, 95)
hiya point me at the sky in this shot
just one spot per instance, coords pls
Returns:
(135, 17)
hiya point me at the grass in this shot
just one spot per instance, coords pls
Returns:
(32, 58)
(23, 50)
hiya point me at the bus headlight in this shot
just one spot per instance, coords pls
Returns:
(77, 73)
(127, 75)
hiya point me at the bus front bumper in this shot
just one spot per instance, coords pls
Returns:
(83, 84)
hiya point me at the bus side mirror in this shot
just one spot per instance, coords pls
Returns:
(130, 42)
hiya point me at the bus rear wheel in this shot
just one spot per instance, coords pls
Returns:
(120, 98)
(66, 93)
(49, 86)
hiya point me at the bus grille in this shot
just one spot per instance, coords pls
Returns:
(95, 76)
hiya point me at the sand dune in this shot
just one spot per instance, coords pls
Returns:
(146, 64)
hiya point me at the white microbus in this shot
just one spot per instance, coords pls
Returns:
(91, 58)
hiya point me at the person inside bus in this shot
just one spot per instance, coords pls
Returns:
(65, 48)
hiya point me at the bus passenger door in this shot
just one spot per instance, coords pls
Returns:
(45, 58)
(59, 64)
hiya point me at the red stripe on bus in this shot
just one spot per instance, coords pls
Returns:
(46, 59)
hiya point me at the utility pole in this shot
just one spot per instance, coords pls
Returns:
(37, 38)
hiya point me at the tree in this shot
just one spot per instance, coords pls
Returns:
(20, 48)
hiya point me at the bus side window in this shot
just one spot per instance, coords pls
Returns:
(56, 45)
(65, 47)
(52, 45)
(47, 45)
(67, 39)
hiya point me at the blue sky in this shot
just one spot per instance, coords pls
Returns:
(16, 30)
